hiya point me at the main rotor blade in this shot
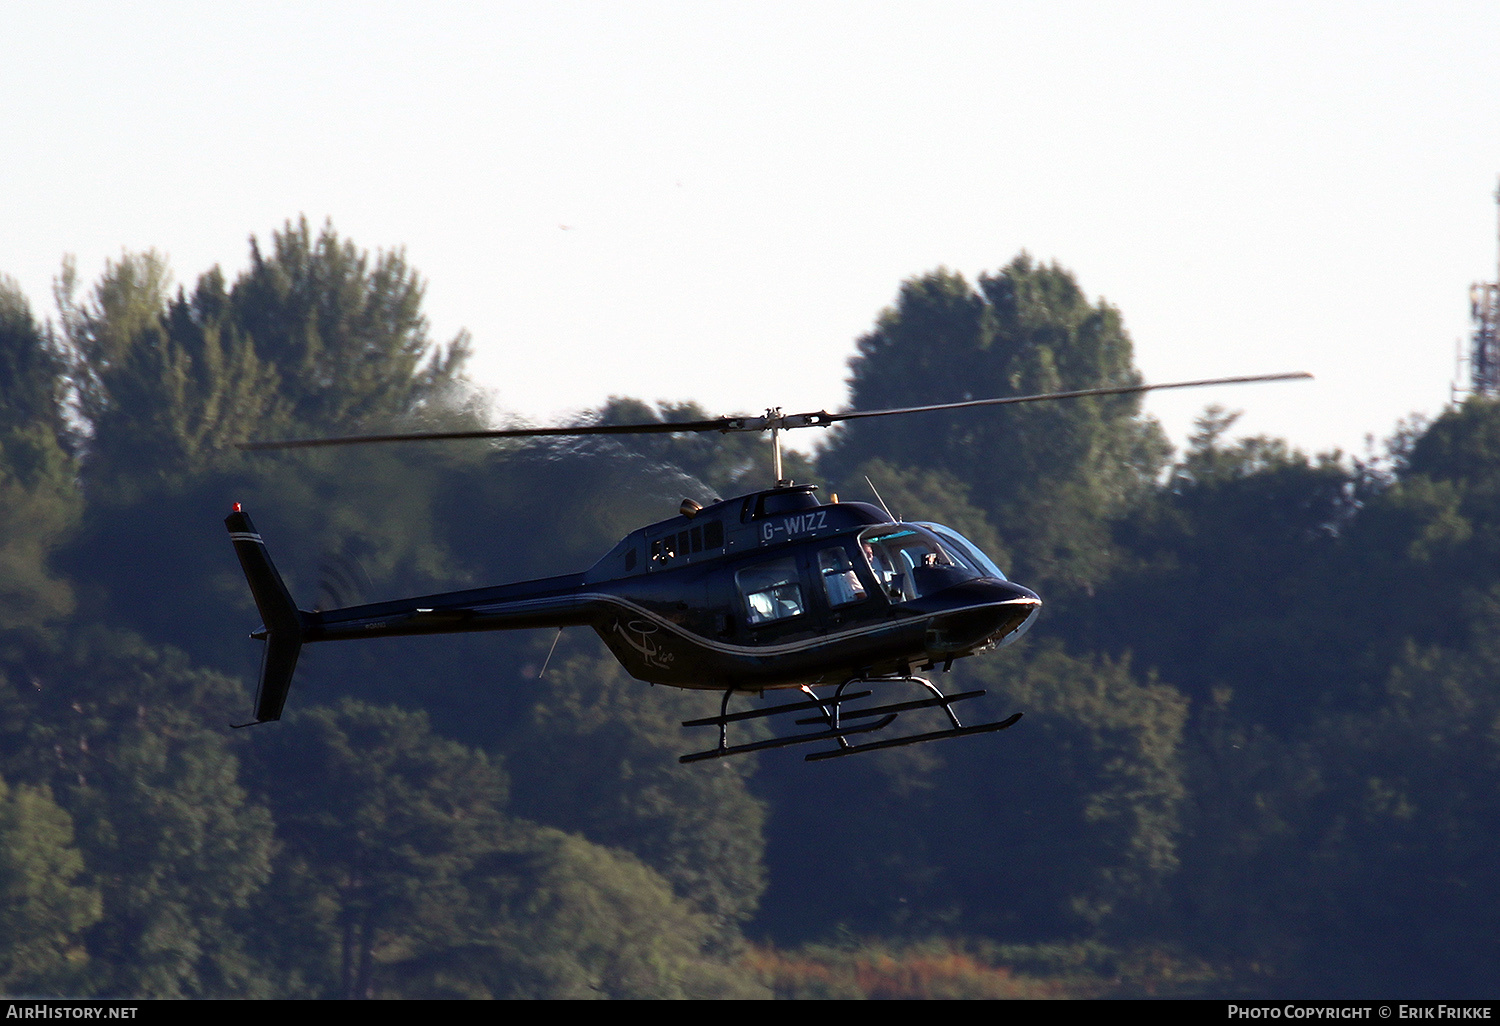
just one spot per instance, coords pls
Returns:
(1075, 394)
(773, 418)
(717, 424)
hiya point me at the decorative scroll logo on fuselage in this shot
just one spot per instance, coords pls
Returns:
(640, 636)
(791, 527)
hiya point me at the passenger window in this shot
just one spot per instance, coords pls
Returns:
(713, 534)
(840, 583)
(771, 590)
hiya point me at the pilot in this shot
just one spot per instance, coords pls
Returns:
(884, 572)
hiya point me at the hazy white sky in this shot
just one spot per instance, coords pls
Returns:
(712, 200)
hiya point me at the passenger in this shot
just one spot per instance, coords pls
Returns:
(839, 579)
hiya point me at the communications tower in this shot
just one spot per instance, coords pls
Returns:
(1484, 346)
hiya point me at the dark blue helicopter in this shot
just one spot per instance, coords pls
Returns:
(765, 591)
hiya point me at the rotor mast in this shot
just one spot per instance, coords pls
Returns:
(774, 416)
(776, 422)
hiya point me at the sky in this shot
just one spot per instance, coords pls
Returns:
(712, 201)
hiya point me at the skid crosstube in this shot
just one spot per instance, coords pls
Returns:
(833, 714)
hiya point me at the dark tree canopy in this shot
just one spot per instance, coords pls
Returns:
(345, 330)
(1051, 475)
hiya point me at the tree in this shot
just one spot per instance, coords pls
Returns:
(121, 734)
(346, 332)
(401, 875)
(166, 386)
(1355, 856)
(565, 918)
(1050, 476)
(381, 820)
(33, 370)
(1067, 824)
(600, 758)
(1433, 531)
(1235, 576)
(38, 499)
(45, 905)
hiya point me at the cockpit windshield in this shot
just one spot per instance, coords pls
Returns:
(909, 561)
(966, 552)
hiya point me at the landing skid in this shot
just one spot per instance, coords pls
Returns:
(832, 715)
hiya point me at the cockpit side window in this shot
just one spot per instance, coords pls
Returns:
(966, 552)
(902, 556)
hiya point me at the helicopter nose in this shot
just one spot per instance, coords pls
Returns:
(1018, 607)
(982, 612)
(1016, 592)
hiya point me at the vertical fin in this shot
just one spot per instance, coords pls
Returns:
(283, 621)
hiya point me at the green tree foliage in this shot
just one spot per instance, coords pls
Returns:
(1434, 530)
(317, 336)
(600, 758)
(1356, 857)
(33, 373)
(1102, 824)
(381, 820)
(1234, 576)
(166, 385)
(1050, 476)
(38, 499)
(402, 876)
(121, 734)
(1069, 826)
(345, 331)
(568, 919)
(38, 511)
(45, 906)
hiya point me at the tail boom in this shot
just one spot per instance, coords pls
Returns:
(549, 602)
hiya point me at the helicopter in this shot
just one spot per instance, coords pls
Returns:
(773, 590)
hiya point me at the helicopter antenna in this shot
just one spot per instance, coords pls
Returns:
(555, 638)
(880, 500)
